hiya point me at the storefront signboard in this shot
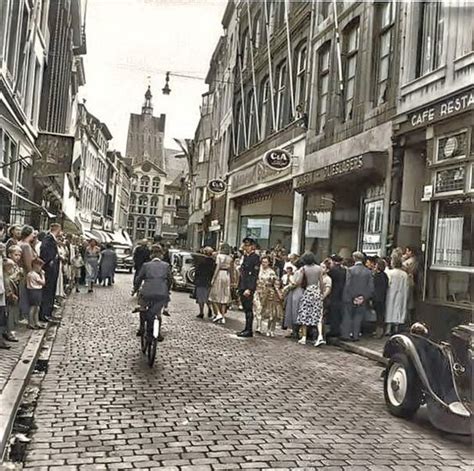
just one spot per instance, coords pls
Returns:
(443, 109)
(254, 175)
(217, 186)
(277, 159)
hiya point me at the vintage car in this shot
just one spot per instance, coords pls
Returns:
(439, 375)
(182, 266)
(124, 257)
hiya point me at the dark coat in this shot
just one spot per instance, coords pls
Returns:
(141, 256)
(156, 277)
(204, 272)
(380, 286)
(49, 254)
(108, 263)
(338, 277)
(249, 272)
(359, 282)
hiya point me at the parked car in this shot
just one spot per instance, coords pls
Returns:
(124, 257)
(421, 371)
(183, 265)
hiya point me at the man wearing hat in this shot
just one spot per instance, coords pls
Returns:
(248, 283)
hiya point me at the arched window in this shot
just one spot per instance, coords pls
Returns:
(244, 48)
(131, 223)
(239, 125)
(153, 206)
(251, 123)
(142, 204)
(300, 90)
(281, 95)
(144, 184)
(151, 227)
(133, 202)
(155, 185)
(257, 30)
(265, 110)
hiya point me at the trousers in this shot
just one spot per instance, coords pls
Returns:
(147, 317)
(247, 304)
(352, 321)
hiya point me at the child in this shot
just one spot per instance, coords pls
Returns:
(326, 291)
(34, 283)
(288, 278)
(77, 264)
(380, 295)
(11, 296)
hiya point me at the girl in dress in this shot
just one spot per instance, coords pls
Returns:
(91, 256)
(265, 293)
(220, 295)
(275, 308)
(35, 282)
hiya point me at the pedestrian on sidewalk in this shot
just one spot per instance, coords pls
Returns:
(108, 265)
(11, 297)
(14, 254)
(380, 295)
(397, 296)
(310, 310)
(358, 291)
(3, 311)
(248, 283)
(35, 282)
(50, 256)
(76, 266)
(326, 291)
(205, 268)
(336, 305)
(91, 261)
(220, 295)
(141, 255)
(265, 300)
(14, 236)
(26, 259)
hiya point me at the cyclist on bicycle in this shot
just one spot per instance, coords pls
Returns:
(155, 294)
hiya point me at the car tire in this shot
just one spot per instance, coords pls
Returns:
(402, 387)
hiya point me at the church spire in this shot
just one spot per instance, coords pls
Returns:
(147, 107)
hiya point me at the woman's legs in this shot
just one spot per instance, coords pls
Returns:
(304, 330)
(320, 340)
(33, 317)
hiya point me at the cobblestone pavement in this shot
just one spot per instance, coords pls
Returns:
(213, 401)
(9, 358)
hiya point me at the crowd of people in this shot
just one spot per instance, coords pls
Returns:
(39, 269)
(313, 301)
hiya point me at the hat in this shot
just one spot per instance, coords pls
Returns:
(249, 240)
(336, 258)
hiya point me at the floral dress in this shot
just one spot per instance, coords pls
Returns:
(310, 307)
(267, 302)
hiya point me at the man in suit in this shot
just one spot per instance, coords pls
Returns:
(248, 283)
(337, 274)
(359, 288)
(49, 255)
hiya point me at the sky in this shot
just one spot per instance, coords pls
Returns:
(132, 43)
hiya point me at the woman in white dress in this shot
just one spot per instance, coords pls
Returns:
(220, 294)
(397, 296)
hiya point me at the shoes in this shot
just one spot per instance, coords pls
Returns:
(319, 342)
(4, 345)
(245, 334)
(272, 334)
(33, 327)
(9, 337)
(139, 309)
(268, 334)
(139, 333)
(218, 318)
(160, 338)
(166, 313)
(302, 341)
(200, 316)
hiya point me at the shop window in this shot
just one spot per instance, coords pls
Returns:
(256, 227)
(451, 287)
(372, 236)
(453, 146)
(453, 234)
(430, 37)
(281, 95)
(323, 86)
(450, 179)
(317, 232)
(301, 59)
(351, 49)
(386, 21)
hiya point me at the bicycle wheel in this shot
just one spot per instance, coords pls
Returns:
(152, 351)
(144, 342)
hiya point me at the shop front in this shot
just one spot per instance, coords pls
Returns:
(344, 206)
(436, 142)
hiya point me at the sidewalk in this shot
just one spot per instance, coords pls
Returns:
(368, 347)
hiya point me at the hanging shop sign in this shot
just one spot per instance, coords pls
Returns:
(277, 159)
(217, 186)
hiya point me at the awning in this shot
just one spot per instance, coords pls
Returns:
(24, 198)
(101, 236)
(118, 237)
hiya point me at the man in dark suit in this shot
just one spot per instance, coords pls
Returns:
(337, 273)
(248, 283)
(358, 290)
(49, 255)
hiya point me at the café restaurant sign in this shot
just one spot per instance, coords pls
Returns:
(443, 109)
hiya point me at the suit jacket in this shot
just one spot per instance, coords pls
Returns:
(249, 272)
(49, 253)
(156, 277)
(359, 282)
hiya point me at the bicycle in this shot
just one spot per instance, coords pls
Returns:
(150, 337)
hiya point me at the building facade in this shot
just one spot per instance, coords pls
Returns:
(24, 43)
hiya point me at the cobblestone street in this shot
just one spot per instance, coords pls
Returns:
(213, 401)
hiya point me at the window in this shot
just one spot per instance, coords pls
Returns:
(386, 21)
(281, 95)
(133, 202)
(351, 46)
(257, 31)
(23, 52)
(280, 13)
(265, 113)
(430, 37)
(155, 185)
(144, 184)
(8, 153)
(142, 204)
(167, 218)
(323, 10)
(323, 86)
(301, 75)
(151, 227)
(14, 17)
(269, 18)
(251, 123)
(240, 131)
(153, 206)
(372, 237)
(141, 223)
(244, 49)
(169, 201)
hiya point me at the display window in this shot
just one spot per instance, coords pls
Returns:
(268, 231)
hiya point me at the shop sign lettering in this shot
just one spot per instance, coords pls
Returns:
(258, 173)
(443, 109)
(217, 186)
(277, 159)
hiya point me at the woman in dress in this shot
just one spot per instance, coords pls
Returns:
(294, 294)
(91, 261)
(310, 310)
(205, 268)
(396, 307)
(264, 299)
(108, 265)
(220, 295)
(25, 263)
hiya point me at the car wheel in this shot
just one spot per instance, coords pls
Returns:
(402, 387)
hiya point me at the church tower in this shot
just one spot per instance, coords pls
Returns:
(145, 140)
